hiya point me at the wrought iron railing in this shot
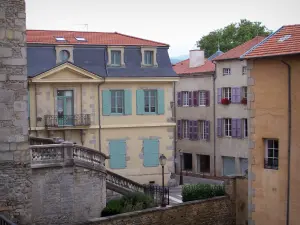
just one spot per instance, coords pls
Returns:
(5, 221)
(271, 163)
(157, 192)
(67, 120)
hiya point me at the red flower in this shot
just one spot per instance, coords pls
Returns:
(225, 101)
(244, 101)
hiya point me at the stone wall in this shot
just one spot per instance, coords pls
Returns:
(67, 195)
(215, 211)
(15, 185)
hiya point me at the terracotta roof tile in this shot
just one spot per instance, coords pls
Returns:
(238, 51)
(92, 38)
(273, 47)
(183, 67)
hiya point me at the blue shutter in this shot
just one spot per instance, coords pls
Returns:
(220, 127)
(233, 95)
(160, 102)
(127, 102)
(117, 153)
(140, 102)
(191, 129)
(207, 130)
(219, 98)
(233, 128)
(151, 152)
(106, 102)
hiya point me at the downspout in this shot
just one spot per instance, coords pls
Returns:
(175, 130)
(214, 115)
(28, 105)
(81, 98)
(289, 141)
(35, 100)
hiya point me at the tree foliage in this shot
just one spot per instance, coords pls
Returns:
(231, 36)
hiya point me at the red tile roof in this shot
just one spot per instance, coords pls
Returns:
(183, 67)
(93, 38)
(238, 51)
(273, 47)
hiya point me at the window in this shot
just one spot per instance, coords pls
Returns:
(227, 93)
(150, 101)
(285, 37)
(148, 57)
(202, 129)
(65, 108)
(226, 71)
(185, 97)
(271, 154)
(80, 38)
(245, 126)
(64, 55)
(202, 98)
(60, 39)
(185, 124)
(115, 57)
(117, 101)
(227, 127)
(244, 92)
(244, 70)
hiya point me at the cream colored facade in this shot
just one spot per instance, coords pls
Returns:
(87, 91)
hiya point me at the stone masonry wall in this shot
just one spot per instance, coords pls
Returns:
(15, 185)
(67, 195)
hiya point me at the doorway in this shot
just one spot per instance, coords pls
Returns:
(187, 161)
(203, 163)
(65, 108)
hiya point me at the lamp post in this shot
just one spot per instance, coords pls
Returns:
(180, 157)
(162, 161)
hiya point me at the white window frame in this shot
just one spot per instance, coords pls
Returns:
(113, 59)
(154, 50)
(202, 129)
(202, 98)
(226, 71)
(115, 48)
(267, 147)
(227, 127)
(244, 92)
(244, 70)
(226, 93)
(185, 129)
(245, 127)
(185, 98)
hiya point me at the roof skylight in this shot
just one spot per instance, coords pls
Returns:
(60, 39)
(285, 37)
(80, 38)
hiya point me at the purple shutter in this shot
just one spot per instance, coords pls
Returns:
(207, 98)
(179, 129)
(219, 126)
(219, 95)
(233, 128)
(179, 98)
(196, 132)
(239, 128)
(196, 98)
(191, 130)
(238, 95)
(233, 95)
(190, 99)
(207, 130)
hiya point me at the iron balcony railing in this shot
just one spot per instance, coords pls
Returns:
(67, 120)
(5, 221)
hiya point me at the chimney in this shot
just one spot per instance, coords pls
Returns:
(196, 58)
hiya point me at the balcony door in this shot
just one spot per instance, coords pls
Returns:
(65, 108)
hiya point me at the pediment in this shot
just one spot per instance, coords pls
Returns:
(67, 73)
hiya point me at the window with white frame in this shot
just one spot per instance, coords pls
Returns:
(202, 129)
(185, 98)
(117, 101)
(244, 92)
(226, 93)
(202, 98)
(227, 127)
(115, 57)
(185, 126)
(226, 71)
(245, 127)
(244, 70)
(148, 57)
(271, 153)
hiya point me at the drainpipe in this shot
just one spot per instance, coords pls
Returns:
(214, 115)
(35, 100)
(81, 98)
(175, 133)
(289, 141)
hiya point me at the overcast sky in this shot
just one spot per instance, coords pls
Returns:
(179, 23)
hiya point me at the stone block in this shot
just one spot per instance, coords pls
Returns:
(21, 15)
(9, 34)
(20, 106)
(5, 52)
(2, 14)
(16, 62)
(5, 114)
(4, 147)
(6, 156)
(3, 77)
(6, 96)
(19, 37)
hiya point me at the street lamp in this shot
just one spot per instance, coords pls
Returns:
(162, 161)
(180, 157)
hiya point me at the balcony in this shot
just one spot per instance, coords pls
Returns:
(78, 120)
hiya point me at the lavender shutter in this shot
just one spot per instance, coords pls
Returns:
(239, 127)
(233, 128)
(207, 130)
(190, 99)
(191, 130)
(196, 132)
(219, 95)
(233, 95)
(179, 98)
(207, 96)
(179, 129)
(238, 95)
(196, 98)
(219, 126)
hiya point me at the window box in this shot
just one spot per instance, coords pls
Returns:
(225, 101)
(244, 101)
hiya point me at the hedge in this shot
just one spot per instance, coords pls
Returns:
(191, 192)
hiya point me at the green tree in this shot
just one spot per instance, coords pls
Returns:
(231, 36)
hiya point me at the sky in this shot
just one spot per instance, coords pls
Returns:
(177, 23)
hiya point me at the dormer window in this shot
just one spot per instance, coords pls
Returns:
(80, 39)
(60, 39)
(64, 53)
(149, 57)
(115, 57)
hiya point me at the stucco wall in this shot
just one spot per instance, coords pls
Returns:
(226, 146)
(204, 82)
(269, 119)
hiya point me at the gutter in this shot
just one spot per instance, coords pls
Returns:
(214, 115)
(289, 141)
(175, 130)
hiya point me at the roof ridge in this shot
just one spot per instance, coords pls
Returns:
(72, 31)
(181, 61)
(126, 35)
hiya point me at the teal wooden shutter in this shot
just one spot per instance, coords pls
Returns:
(128, 102)
(160, 101)
(106, 102)
(151, 152)
(140, 102)
(117, 153)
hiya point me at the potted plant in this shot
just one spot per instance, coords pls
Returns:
(225, 101)
(244, 101)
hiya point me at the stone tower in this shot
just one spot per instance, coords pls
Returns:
(15, 184)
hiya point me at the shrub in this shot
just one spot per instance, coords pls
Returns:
(128, 203)
(193, 192)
